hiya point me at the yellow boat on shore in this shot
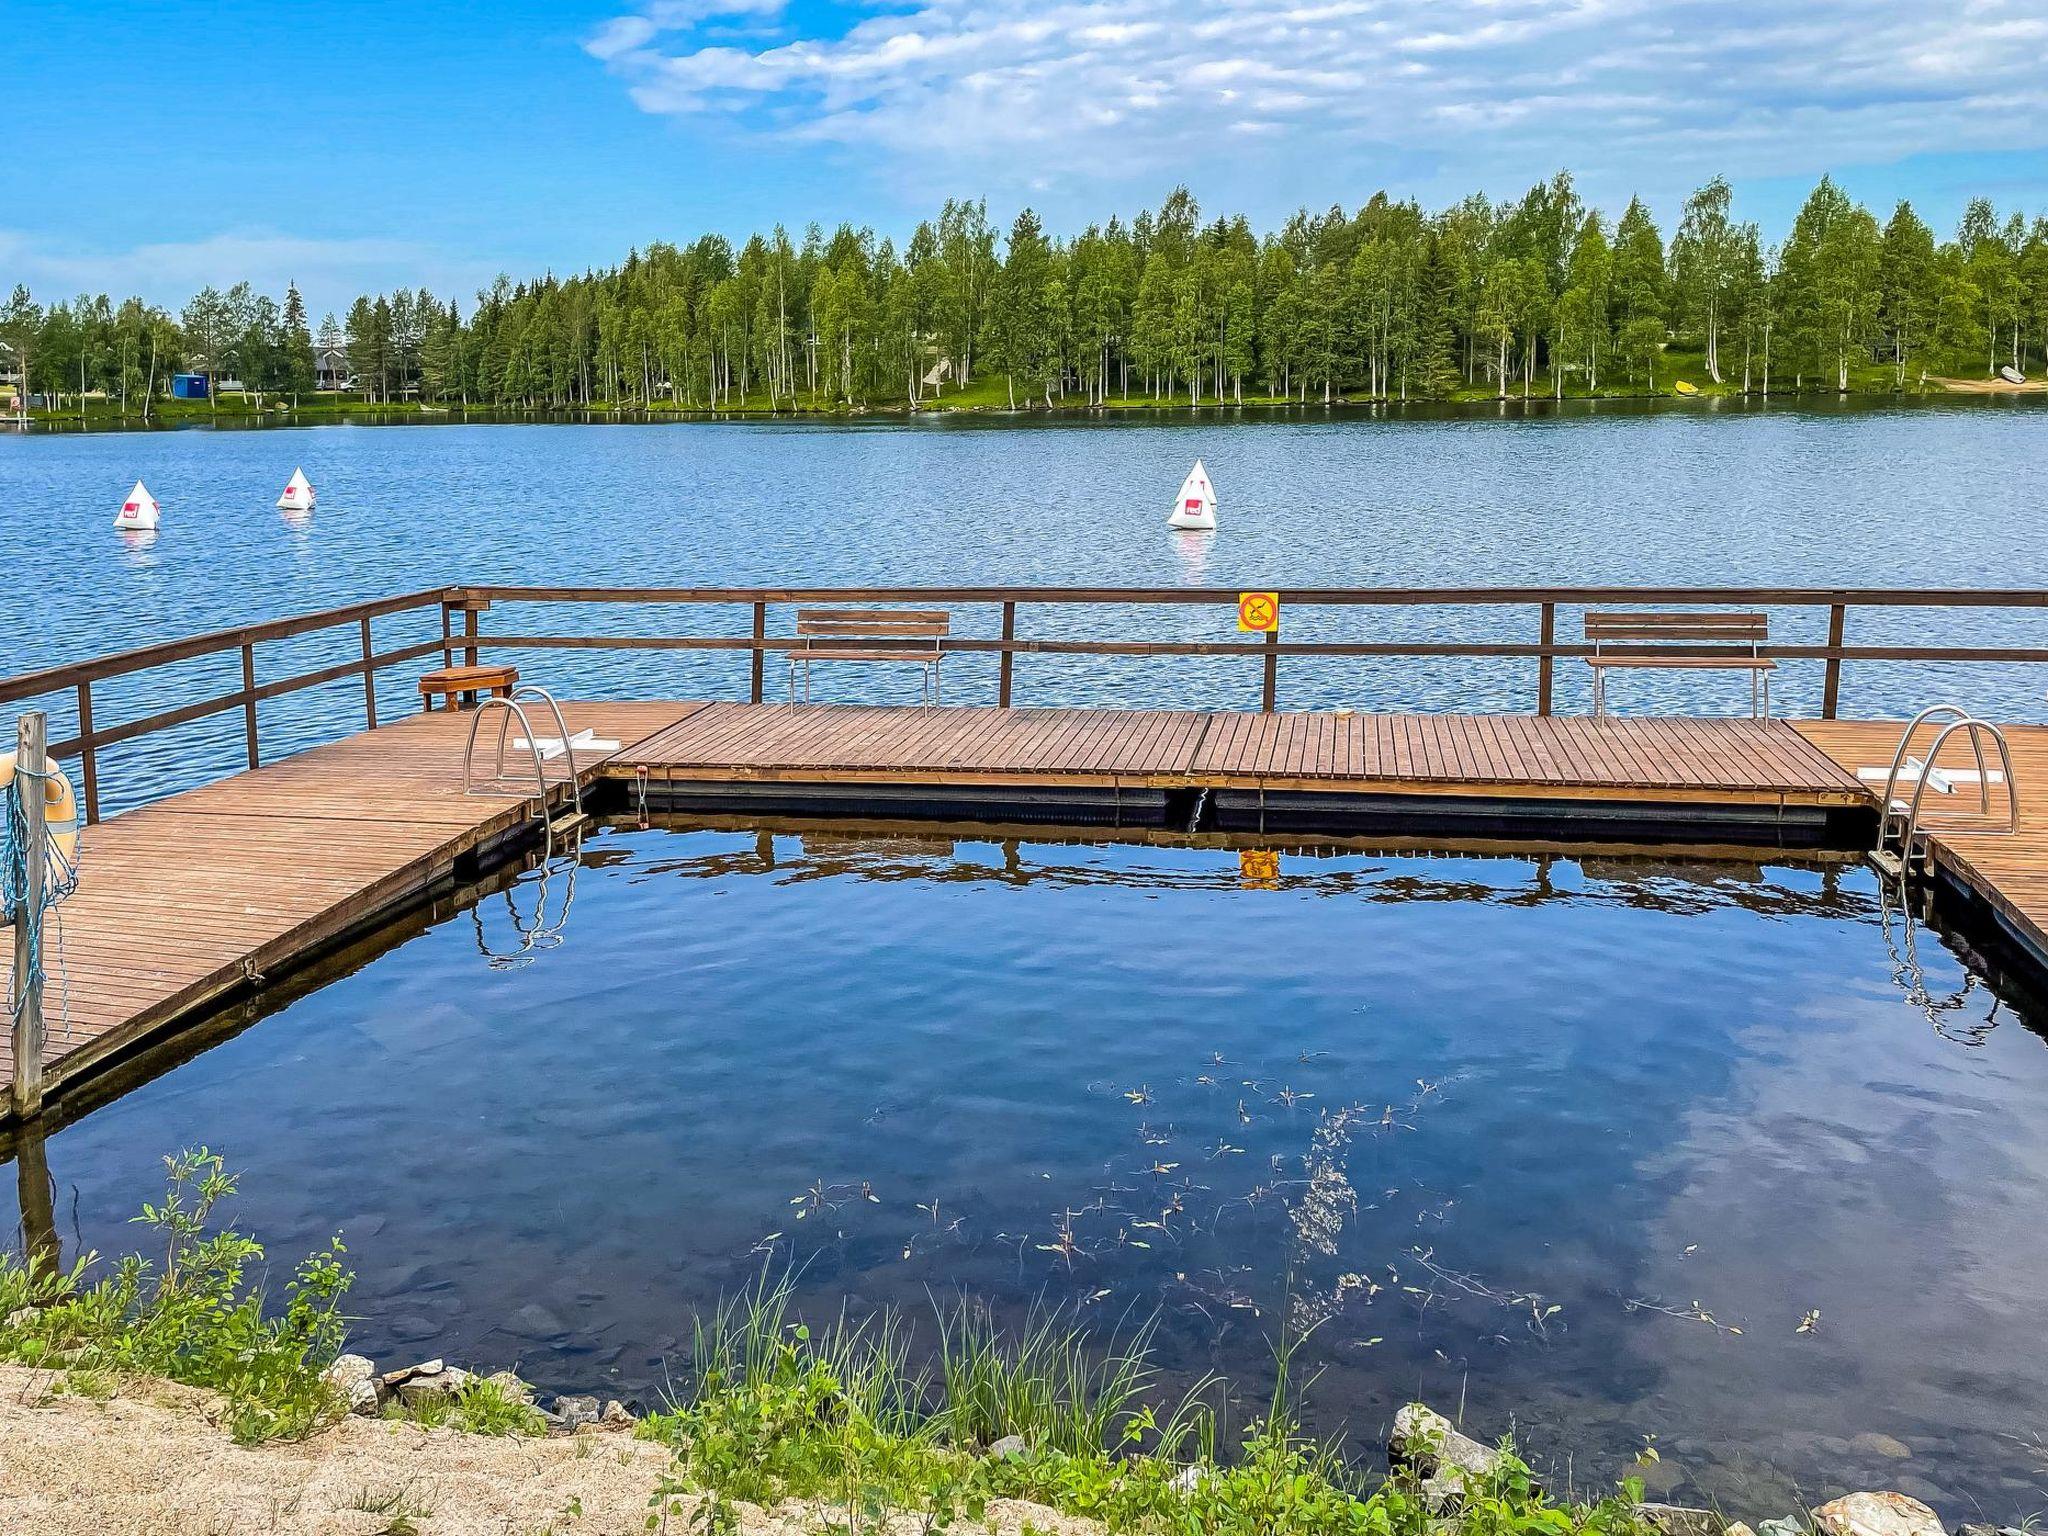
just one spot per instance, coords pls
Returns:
(1686, 389)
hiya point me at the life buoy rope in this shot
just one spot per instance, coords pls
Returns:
(60, 812)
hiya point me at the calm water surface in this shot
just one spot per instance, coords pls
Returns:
(1662, 1094)
(1930, 495)
(1124, 1079)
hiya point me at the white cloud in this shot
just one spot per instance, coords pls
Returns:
(1750, 86)
(329, 272)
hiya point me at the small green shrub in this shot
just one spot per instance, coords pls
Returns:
(195, 1315)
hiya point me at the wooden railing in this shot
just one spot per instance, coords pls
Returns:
(77, 678)
(460, 631)
(1545, 648)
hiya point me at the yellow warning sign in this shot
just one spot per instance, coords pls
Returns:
(1258, 612)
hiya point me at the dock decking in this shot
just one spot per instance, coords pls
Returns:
(183, 901)
(2009, 874)
(194, 897)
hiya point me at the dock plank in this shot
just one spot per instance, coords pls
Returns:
(185, 898)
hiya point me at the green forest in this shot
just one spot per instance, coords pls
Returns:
(1540, 296)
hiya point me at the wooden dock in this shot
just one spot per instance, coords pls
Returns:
(1689, 779)
(193, 898)
(210, 893)
(2007, 874)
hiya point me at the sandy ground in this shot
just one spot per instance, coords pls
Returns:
(1990, 386)
(153, 1458)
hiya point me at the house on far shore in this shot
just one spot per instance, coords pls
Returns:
(330, 367)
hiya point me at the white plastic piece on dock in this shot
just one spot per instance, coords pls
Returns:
(585, 742)
(1942, 781)
(140, 512)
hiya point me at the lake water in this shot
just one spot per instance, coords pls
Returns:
(1125, 1079)
(1665, 1092)
(1926, 495)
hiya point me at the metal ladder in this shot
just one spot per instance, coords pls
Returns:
(512, 709)
(1901, 844)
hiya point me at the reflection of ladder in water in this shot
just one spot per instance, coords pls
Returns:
(539, 932)
(1901, 841)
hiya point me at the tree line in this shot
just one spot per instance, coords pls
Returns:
(1540, 295)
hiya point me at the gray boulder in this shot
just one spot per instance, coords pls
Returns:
(1877, 1514)
(572, 1413)
(354, 1379)
(509, 1386)
(425, 1386)
(1430, 1446)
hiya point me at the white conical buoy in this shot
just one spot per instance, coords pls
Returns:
(298, 494)
(1196, 508)
(140, 512)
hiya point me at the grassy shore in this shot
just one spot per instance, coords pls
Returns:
(990, 395)
(844, 1428)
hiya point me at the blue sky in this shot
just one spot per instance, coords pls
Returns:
(155, 147)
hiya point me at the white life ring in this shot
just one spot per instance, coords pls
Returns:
(60, 809)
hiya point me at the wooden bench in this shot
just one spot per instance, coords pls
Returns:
(462, 685)
(1639, 640)
(913, 635)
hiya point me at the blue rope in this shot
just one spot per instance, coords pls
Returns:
(23, 798)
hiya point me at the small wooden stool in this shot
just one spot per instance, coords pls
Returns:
(460, 686)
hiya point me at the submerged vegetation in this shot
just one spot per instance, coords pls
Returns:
(843, 1425)
(1539, 296)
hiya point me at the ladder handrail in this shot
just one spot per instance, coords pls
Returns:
(1955, 711)
(1973, 726)
(535, 691)
(540, 772)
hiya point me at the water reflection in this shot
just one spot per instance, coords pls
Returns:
(1536, 1132)
(1191, 551)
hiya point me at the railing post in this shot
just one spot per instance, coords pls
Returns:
(447, 633)
(88, 754)
(1003, 667)
(1546, 669)
(1831, 688)
(760, 648)
(25, 1004)
(1272, 688)
(369, 678)
(249, 702)
(469, 651)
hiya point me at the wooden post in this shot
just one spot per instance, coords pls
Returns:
(26, 1003)
(760, 649)
(369, 678)
(469, 634)
(88, 753)
(249, 703)
(1003, 668)
(447, 634)
(1831, 689)
(1546, 669)
(1272, 688)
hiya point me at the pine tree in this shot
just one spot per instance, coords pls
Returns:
(296, 346)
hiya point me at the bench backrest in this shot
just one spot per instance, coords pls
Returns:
(873, 628)
(1610, 626)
